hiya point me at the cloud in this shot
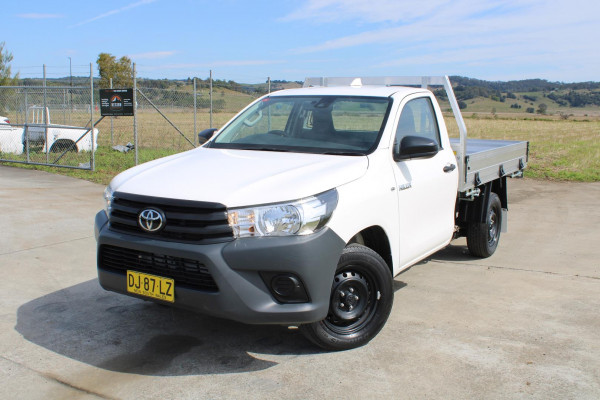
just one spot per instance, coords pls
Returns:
(152, 55)
(490, 37)
(433, 22)
(40, 16)
(114, 12)
(324, 11)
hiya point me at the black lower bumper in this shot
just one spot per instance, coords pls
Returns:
(236, 267)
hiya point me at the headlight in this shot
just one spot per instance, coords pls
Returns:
(108, 198)
(300, 217)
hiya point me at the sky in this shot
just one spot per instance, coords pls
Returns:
(248, 41)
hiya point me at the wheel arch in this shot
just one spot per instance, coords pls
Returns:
(475, 211)
(375, 238)
(62, 144)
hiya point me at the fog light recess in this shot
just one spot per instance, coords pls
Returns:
(285, 287)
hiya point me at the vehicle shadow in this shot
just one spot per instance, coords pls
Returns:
(453, 252)
(124, 334)
(398, 285)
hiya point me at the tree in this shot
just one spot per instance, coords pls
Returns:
(542, 108)
(5, 74)
(120, 71)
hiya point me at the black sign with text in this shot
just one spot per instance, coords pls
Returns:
(116, 102)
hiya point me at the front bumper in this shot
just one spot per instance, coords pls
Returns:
(236, 267)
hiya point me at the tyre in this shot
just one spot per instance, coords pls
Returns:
(361, 300)
(62, 145)
(483, 238)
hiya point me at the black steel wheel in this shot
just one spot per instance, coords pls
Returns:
(483, 238)
(361, 300)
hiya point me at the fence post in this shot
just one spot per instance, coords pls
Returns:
(195, 128)
(111, 121)
(135, 133)
(269, 91)
(45, 119)
(64, 106)
(93, 157)
(26, 127)
(210, 95)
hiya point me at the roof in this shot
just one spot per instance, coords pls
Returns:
(371, 91)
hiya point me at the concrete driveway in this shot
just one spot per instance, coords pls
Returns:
(524, 323)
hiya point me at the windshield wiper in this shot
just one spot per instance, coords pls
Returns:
(264, 149)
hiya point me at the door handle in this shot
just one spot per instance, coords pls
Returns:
(449, 168)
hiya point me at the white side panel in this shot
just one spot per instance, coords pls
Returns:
(369, 201)
(73, 134)
(11, 140)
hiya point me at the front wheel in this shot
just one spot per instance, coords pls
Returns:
(361, 299)
(483, 238)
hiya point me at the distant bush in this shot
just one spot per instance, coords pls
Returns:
(530, 110)
(565, 116)
(542, 108)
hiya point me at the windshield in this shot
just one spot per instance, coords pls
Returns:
(347, 125)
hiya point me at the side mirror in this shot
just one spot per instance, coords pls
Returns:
(205, 135)
(416, 147)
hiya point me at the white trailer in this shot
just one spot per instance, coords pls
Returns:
(39, 131)
(54, 137)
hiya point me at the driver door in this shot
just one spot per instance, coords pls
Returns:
(426, 187)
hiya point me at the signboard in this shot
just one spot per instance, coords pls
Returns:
(116, 102)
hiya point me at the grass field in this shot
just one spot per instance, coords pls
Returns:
(559, 149)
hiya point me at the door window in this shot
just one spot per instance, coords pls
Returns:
(418, 119)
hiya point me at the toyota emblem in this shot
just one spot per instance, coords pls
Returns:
(151, 220)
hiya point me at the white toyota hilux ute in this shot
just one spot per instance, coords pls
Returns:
(303, 207)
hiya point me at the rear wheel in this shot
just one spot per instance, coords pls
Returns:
(62, 145)
(361, 300)
(483, 238)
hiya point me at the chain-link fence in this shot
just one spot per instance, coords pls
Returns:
(51, 125)
(47, 125)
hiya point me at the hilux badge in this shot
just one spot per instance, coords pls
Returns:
(151, 220)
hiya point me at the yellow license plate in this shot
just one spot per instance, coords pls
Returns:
(151, 286)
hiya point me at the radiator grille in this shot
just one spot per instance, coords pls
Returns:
(185, 221)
